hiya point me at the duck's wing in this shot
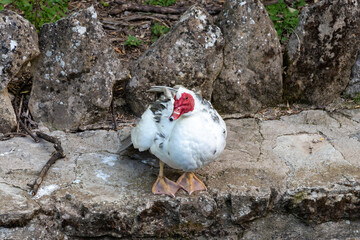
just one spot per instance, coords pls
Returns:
(151, 127)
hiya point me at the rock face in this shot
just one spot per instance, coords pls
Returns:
(7, 114)
(353, 89)
(189, 55)
(18, 45)
(75, 73)
(292, 178)
(322, 51)
(251, 77)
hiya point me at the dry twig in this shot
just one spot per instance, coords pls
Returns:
(59, 153)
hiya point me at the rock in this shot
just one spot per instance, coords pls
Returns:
(276, 179)
(289, 227)
(189, 55)
(19, 44)
(16, 208)
(251, 77)
(7, 114)
(353, 89)
(75, 72)
(320, 56)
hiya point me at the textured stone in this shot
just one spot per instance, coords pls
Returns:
(75, 72)
(353, 89)
(322, 51)
(274, 179)
(18, 45)
(7, 114)
(189, 55)
(16, 206)
(251, 77)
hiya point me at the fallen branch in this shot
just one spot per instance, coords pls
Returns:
(9, 135)
(156, 9)
(23, 125)
(59, 153)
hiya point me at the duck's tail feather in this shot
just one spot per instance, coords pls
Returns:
(168, 92)
(125, 144)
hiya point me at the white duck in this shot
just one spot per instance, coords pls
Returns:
(182, 130)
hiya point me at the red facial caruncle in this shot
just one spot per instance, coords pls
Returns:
(182, 105)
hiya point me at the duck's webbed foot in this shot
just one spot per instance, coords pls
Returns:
(165, 186)
(191, 183)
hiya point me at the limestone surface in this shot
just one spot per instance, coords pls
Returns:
(189, 55)
(75, 72)
(322, 51)
(295, 177)
(251, 77)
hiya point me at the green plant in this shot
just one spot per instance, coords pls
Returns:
(158, 30)
(105, 4)
(357, 99)
(39, 12)
(164, 3)
(3, 3)
(132, 41)
(285, 19)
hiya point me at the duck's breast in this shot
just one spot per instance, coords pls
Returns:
(195, 141)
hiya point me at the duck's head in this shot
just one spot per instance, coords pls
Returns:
(184, 103)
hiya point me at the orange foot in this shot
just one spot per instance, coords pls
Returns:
(165, 186)
(191, 183)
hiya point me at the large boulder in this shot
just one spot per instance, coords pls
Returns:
(7, 114)
(353, 89)
(251, 77)
(276, 179)
(322, 51)
(75, 72)
(18, 45)
(189, 55)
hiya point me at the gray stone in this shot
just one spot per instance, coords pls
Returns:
(189, 55)
(251, 77)
(16, 208)
(289, 227)
(296, 177)
(320, 56)
(353, 89)
(18, 45)
(7, 114)
(75, 72)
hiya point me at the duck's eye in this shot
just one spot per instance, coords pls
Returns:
(186, 98)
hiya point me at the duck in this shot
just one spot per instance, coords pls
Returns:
(183, 131)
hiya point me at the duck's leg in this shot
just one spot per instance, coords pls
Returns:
(164, 185)
(191, 183)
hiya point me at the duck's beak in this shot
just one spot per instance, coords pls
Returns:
(175, 114)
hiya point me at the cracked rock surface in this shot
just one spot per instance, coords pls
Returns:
(296, 177)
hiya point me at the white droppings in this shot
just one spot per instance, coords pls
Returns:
(102, 175)
(47, 190)
(242, 3)
(13, 45)
(7, 153)
(110, 160)
(47, 77)
(252, 21)
(48, 53)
